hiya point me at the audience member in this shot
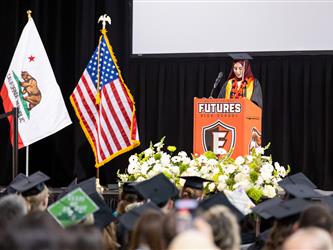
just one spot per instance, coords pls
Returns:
(12, 207)
(313, 238)
(224, 225)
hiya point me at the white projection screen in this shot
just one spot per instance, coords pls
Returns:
(221, 26)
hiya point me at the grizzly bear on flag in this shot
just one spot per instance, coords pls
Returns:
(31, 92)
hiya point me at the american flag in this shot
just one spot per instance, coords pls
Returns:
(109, 123)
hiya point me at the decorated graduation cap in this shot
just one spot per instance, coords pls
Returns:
(298, 178)
(130, 218)
(159, 189)
(220, 199)
(102, 217)
(72, 208)
(240, 56)
(288, 208)
(31, 185)
(194, 181)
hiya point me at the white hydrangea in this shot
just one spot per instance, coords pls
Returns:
(202, 159)
(221, 186)
(212, 162)
(249, 158)
(157, 168)
(132, 168)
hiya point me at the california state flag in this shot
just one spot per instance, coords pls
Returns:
(31, 86)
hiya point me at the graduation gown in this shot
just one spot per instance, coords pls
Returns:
(253, 91)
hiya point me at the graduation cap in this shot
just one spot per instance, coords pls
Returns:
(301, 191)
(220, 199)
(288, 208)
(88, 186)
(298, 178)
(240, 56)
(158, 189)
(18, 178)
(130, 218)
(194, 181)
(261, 208)
(128, 187)
(31, 185)
(104, 216)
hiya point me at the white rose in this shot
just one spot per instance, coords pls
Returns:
(176, 159)
(157, 168)
(221, 186)
(165, 159)
(269, 191)
(266, 171)
(249, 158)
(222, 178)
(202, 159)
(186, 160)
(260, 150)
(245, 169)
(239, 160)
(144, 169)
(193, 163)
(182, 154)
(175, 170)
(240, 177)
(151, 161)
(131, 169)
(259, 181)
(204, 170)
(148, 152)
(244, 184)
(211, 187)
(221, 151)
(140, 179)
(229, 169)
(133, 159)
(212, 162)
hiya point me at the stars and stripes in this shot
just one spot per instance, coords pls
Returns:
(109, 123)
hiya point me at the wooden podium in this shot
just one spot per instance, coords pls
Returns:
(226, 124)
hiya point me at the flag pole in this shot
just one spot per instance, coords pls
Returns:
(29, 12)
(15, 143)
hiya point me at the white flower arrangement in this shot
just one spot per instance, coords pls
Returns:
(256, 173)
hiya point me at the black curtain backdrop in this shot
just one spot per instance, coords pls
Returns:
(297, 93)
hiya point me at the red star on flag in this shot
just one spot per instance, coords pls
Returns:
(31, 58)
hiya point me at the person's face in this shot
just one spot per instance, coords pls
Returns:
(238, 69)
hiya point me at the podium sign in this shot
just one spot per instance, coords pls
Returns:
(226, 124)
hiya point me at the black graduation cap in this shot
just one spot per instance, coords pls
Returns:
(128, 187)
(261, 208)
(194, 181)
(104, 215)
(298, 178)
(288, 208)
(240, 56)
(31, 185)
(158, 189)
(220, 199)
(18, 178)
(88, 186)
(130, 218)
(301, 191)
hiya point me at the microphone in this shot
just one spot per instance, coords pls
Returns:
(217, 81)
